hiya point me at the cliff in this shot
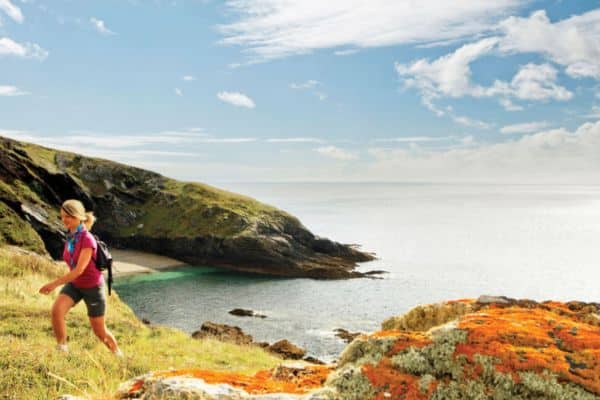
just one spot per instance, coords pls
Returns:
(490, 348)
(143, 210)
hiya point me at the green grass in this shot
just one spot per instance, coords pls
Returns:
(42, 156)
(30, 368)
(194, 209)
(15, 231)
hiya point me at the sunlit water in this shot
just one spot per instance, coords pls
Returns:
(438, 242)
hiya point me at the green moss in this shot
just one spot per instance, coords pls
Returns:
(368, 351)
(425, 382)
(351, 384)
(413, 361)
(470, 390)
(546, 386)
(436, 359)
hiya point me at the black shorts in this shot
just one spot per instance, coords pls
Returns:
(94, 298)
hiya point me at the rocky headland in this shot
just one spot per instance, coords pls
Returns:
(142, 210)
(490, 348)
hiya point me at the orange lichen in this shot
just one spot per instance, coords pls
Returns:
(393, 383)
(298, 381)
(535, 339)
(410, 339)
(137, 385)
(385, 334)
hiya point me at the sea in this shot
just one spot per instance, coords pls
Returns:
(436, 241)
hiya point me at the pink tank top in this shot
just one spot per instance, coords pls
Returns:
(91, 276)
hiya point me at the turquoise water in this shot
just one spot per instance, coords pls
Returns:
(439, 242)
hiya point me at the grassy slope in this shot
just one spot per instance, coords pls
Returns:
(30, 368)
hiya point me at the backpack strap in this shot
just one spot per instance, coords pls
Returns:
(110, 279)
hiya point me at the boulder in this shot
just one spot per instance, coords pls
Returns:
(222, 332)
(287, 350)
(346, 335)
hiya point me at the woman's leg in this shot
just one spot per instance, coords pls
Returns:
(104, 334)
(61, 307)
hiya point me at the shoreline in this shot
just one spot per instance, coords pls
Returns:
(133, 262)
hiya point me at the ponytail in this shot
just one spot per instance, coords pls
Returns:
(90, 218)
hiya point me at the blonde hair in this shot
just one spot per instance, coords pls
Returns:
(76, 209)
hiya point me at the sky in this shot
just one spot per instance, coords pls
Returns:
(301, 90)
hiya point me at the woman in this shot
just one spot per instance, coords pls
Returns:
(84, 281)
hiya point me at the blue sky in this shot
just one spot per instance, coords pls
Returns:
(274, 90)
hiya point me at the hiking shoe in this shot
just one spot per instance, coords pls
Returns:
(62, 348)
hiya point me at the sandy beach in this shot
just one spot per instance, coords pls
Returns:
(128, 262)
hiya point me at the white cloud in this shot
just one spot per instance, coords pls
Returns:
(236, 99)
(415, 139)
(449, 75)
(189, 78)
(510, 106)
(573, 42)
(227, 140)
(533, 82)
(306, 85)
(11, 10)
(470, 122)
(295, 140)
(272, 29)
(322, 96)
(106, 143)
(9, 47)
(11, 91)
(348, 52)
(100, 26)
(554, 156)
(528, 127)
(583, 69)
(336, 153)
(594, 113)
(178, 92)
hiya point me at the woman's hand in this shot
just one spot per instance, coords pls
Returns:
(48, 288)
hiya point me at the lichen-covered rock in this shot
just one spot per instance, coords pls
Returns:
(493, 348)
(283, 383)
(504, 349)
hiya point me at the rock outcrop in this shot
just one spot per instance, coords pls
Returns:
(224, 333)
(491, 348)
(142, 210)
(241, 312)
